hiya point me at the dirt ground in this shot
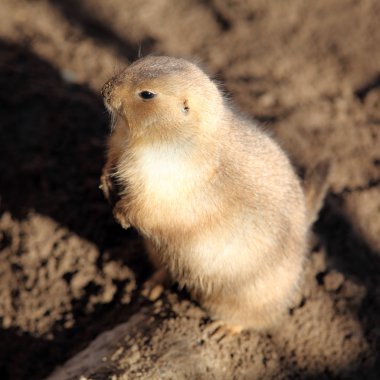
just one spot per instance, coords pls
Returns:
(307, 70)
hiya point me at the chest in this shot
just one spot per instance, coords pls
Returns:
(165, 173)
(167, 189)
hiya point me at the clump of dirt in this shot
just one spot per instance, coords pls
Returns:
(309, 72)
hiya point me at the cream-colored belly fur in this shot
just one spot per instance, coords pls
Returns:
(169, 186)
(168, 176)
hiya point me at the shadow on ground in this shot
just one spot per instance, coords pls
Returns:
(351, 255)
(77, 14)
(51, 153)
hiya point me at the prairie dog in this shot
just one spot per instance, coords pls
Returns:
(214, 196)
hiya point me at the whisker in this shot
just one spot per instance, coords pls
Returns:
(113, 120)
(139, 51)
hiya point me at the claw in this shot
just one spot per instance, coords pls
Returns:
(219, 330)
(155, 285)
(121, 217)
(152, 293)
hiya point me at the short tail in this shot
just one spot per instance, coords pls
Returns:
(316, 185)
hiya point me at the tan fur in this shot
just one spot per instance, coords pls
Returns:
(315, 188)
(215, 197)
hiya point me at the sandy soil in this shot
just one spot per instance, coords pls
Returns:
(308, 71)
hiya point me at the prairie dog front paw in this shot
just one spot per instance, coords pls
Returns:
(120, 215)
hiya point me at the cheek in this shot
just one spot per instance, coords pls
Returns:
(165, 112)
(142, 114)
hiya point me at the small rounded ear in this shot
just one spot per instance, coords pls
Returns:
(185, 106)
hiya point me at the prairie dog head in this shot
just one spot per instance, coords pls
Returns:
(163, 97)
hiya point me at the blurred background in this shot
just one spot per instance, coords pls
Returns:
(308, 71)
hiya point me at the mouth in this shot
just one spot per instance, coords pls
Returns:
(108, 103)
(111, 110)
(114, 118)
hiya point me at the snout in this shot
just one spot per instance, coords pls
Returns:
(111, 94)
(107, 92)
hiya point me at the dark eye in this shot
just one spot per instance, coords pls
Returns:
(147, 94)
